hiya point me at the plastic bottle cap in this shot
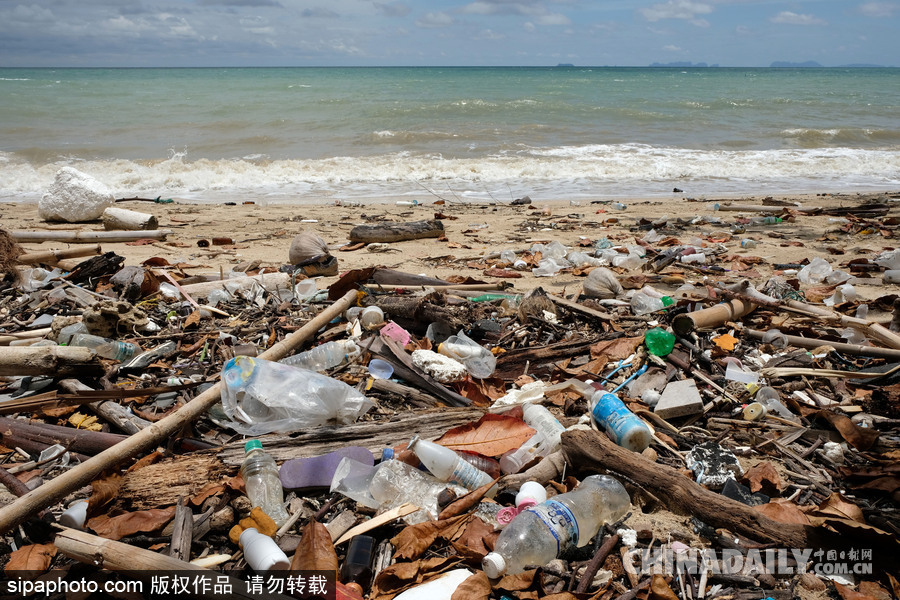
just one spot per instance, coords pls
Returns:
(387, 454)
(252, 445)
(531, 490)
(493, 565)
(506, 514)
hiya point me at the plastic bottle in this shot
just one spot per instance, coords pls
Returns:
(483, 463)
(324, 356)
(771, 399)
(643, 303)
(112, 349)
(261, 552)
(75, 515)
(261, 396)
(478, 360)
(539, 534)
(446, 465)
(546, 439)
(659, 342)
(619, 206)
(262, 483)
(765, 220)
(748, 243)
(357, 566)
(622, 425)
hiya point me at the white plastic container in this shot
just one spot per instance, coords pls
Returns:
(530, 494)
(539, 534)
(262, 553)
(324, 356)
(891, 276)
(75, 515)
(446, 465)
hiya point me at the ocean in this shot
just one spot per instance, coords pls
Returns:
(308, 135)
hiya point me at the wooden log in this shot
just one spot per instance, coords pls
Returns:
(163, 483)
(591, 451)
(144, 564)
(54, 490)
(512, 364)
(121, 219)
(113, 412)
(15, 432)
(87, 237)
(396, 232)
(52, 257)
(393, 277)
(48, 360)
(842, 347)
(422, 311)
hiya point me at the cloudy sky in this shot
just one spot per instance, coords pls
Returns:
(143, 33)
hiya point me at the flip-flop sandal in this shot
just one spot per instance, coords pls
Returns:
(317, 471)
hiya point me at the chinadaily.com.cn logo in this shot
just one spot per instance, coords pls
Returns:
(782, 561)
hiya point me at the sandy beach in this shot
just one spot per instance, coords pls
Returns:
(213, 238)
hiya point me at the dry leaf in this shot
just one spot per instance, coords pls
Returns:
(476, 587)
(315, 552)
(783, 512)
(617, 349)
(103, 492)
(849, 594)
(401, 576)
(861, 438)
(33, 557)
(837, 506)
(210, 489)
(414, 540)
(477, 537)
(763, 477)
(141, 521)
(465, 503)
(492, 435)
(660, 590)
(147, 460)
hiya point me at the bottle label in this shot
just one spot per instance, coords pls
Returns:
(467, 475)
(559, 520)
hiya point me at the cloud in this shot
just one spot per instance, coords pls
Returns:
(678, 9)
(790, 18)
(394, 9)
(239, 3)
(879, 10)
(671, 48)
(318, 13)
(435, 19)
(554, 19)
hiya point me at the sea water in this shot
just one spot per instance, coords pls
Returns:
(308, 135)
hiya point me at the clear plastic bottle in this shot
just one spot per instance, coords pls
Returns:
(478, 360)
(771, 399)
(643, 303)
(539, 534)
(446, 465)
(546, 439)
(765, 220)
(324, 356)
(262, 483)
(622, 425)
(111, 349)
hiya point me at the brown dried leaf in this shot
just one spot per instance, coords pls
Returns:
(115, 528)
(465, 503)
(492, 435)
(763, 477)
(849, 594)
(404, 575)
(212, 488)
(476, 587)
(783, 512)
(103, 492)
(414, 540)
(861, 438)
(660, 590)
(33, 557)
(616, 349)
(146, 460)
(838, 506)
(315, 552)
(477, 536)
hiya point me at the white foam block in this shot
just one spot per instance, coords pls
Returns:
(680, 398)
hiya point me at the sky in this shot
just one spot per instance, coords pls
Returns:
(203, 33)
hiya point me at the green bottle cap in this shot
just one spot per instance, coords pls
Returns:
(252, 445)
(667, 301)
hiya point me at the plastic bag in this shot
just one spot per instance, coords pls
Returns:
(261, 396)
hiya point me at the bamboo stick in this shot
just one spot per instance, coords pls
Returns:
(86, 237)
(842, 347)
(56, 489)
(24, 335)
(54, 256)
(711, 317)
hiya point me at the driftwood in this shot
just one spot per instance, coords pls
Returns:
(512, 364)
(162, 484)
(36, 436)
(52, 257)
(412, 395)
(396, 232)
(33, 334)
(844, 348)
(121, 219)
(87, 237)
(48, 360)
(144, 564)
(591, 451)
(421, 311)
(114, 413)
(64, 484)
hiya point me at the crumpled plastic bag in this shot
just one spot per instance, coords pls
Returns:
(602, 283)
(306, 246)
(261, 396)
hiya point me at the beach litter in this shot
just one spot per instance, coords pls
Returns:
(750, 417)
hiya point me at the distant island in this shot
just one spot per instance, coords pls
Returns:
(811, 64)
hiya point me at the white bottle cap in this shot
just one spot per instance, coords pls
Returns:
(532, 492)
(75, 515)
(493, 565)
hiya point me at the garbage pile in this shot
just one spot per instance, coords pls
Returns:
(672, 430)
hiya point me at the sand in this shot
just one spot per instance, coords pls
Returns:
(264, 234)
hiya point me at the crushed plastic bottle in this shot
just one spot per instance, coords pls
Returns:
(815, 272)
(324, 356)
(545, 441)
(478, 360)
(539, 534)
(262, 483)
(261, 396)
(765, 220)
(648, 300)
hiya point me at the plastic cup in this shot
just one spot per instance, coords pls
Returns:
(380, 369)
(371, 317)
